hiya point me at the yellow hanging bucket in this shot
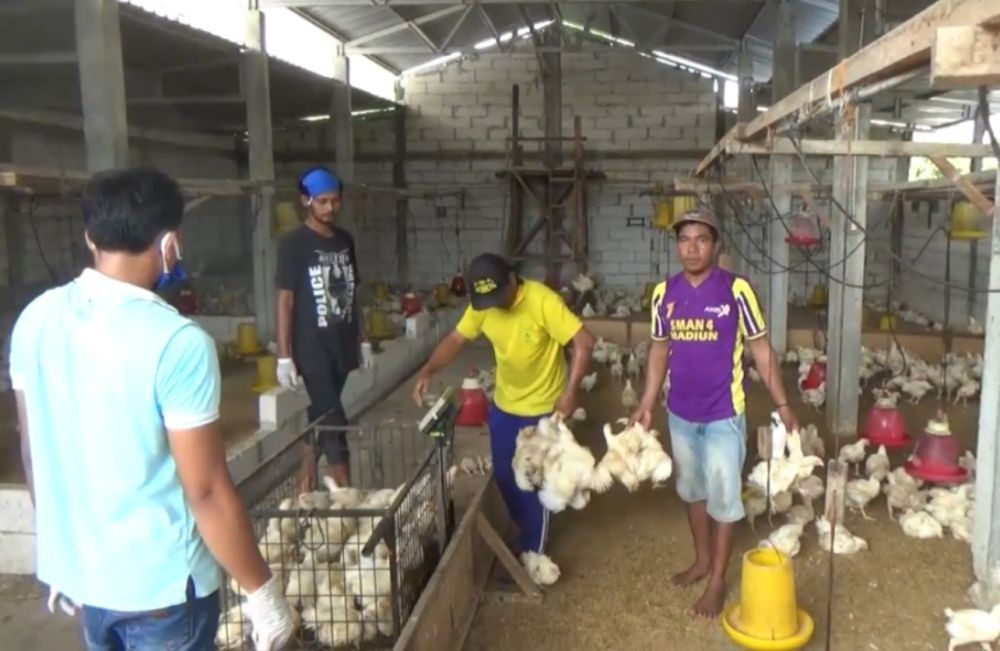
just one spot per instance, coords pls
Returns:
(378, 325)
(664, 215)
(683, 204)
(442, 294)
(246, 339)
(818, 298)
(287, 217)
(887, 322)
(267, 374)
(965, 220)
(767, 615)
(381, 291)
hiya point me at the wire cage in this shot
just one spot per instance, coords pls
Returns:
(353, 561)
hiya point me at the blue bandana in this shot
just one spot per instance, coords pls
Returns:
(320, 181)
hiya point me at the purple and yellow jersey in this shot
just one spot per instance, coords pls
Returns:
(706, 327)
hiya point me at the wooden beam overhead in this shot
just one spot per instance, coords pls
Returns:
(965, 56)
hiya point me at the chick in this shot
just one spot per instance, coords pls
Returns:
(860, 492)
(785, 539)
(633, 367)
(877, 465)
(853, 453)
(588, 382)
(918, 524)
(617, 370)
(629, 398)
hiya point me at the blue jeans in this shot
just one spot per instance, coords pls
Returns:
(708, 460)
(190, 626)
(525, 510)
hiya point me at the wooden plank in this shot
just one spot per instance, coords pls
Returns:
(880, 148)
(506, 558)
(905, 48)
(719, 148)
(964, 186)
(965, 56)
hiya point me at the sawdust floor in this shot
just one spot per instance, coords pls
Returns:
(239, 416)
(618, 553)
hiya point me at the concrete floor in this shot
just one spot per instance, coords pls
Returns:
(25, 623)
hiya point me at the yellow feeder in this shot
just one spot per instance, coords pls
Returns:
(442, 294)
(267, 374)
(965, 220)
(378, 325)
(887, 322)
(381, 291)
(664, 216)
(246, 339)
(818, 298)
(287, 217)
(767, 615)
(684, 203)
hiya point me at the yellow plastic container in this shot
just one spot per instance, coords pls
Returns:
(381, 292)
(965, 221)
(818, 298)
(246, 339)
(887, 322)
(378, 325)
(664, 216)
(442, 294)
(767, 615)
(286, 216)
(683, 204)
(267, 374)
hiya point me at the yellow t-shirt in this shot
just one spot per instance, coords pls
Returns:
(527, 340)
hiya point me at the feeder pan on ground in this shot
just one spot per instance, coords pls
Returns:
(767, 615)
(475, 405)
(965, 221)
(267, 374)
(816, 376)
(818, 297)
(804, 231)
(887, 322)
(246, 339)
(885, 425)
(936, 457)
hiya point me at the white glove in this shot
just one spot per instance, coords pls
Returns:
(367, 356)
(270, 616)
(288, 377)
(65, 604)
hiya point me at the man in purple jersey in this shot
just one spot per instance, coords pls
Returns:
(703, 320)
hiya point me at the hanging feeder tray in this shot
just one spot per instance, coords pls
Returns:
(663, 218)
(936, 457)
(965, 222)
(818, 297)
(804, 231)
(885, 426)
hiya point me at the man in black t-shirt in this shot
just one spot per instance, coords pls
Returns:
(319, 324)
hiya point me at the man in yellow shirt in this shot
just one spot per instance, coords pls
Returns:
(528, 325)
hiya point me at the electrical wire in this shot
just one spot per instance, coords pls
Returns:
(892, 254)
(38, 240)
(984, 115)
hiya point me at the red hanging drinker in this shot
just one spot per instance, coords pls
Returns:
(475, 405)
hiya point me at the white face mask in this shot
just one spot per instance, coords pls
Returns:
(172, 237)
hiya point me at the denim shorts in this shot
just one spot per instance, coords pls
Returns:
(708, 460)
(189, 626)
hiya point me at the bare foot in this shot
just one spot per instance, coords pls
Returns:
(691, 575)
(711, 602)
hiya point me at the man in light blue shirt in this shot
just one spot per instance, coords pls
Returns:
(118, 403)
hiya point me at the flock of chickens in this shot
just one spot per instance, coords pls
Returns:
(337, 593)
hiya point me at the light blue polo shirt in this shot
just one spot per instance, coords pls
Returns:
(105, 368)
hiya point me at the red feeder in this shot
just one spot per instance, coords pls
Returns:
(816, 376)
(475, 404)
(458, 285)
(187, 301)
(936, 457)
(411, 304)
(885, 426)
(804, 231)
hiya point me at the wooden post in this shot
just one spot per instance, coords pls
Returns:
(340, 117)
(836, 484)
(551, 71)
(512, 238)
(257, 85)
(986, 534)
(402, 205)
(102, 83)
(976, 164)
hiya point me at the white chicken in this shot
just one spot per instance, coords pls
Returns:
(974, 328)
(345, 498)
(814, 397)
(579, 415)
(812, 443)
(968, 461)
(844, 542)
(633, 368)
(966, 390)
(972, 625)
(961, 528)
(809, 488)
(877, 465)
(918, 524)
(583, 283)
(801, 513)
(629, 398)
(785, 539)
(946, 505)
(568, 471)
(615, 464)
(902, 496)
(588, 382)
(860, 492)
(233, 628)
(541, 568)
(587, 311)
(916, 389)
(853, 453)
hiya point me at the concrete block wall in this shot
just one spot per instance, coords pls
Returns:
(627, 106)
